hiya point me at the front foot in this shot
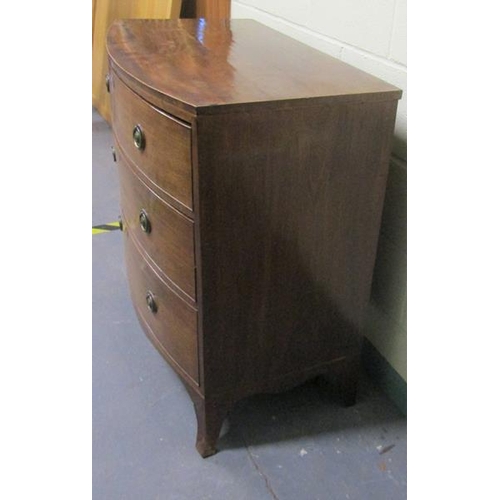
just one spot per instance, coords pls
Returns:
(210, 416)
(205, 449)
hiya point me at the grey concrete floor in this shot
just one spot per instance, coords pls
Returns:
(301, 444)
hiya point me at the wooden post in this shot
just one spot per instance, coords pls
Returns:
(213, 9)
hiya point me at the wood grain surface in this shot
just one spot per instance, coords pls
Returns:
(213, 9)
(104, 12)
(170, 242)
(210, 66)
(290, 203)
(166, 157)
(173, 327)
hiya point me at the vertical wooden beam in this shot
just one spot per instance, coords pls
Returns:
(213, 9)
(104, 13)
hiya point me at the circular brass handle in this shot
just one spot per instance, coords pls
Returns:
(150, 301)
(108, 83)
(139, 138)
(144, 221)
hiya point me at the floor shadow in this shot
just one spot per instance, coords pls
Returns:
(309, 411)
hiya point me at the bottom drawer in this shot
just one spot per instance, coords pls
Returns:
(169, 321)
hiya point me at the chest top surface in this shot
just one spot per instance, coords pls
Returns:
(208, 65)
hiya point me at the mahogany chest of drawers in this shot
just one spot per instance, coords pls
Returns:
(252, 175)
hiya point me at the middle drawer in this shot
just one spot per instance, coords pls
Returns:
(165, 235)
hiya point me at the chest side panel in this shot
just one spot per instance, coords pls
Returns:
(289, 213)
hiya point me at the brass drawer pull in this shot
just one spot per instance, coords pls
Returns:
(150, 301)
(139, 138)
(144, 221)
(113, 153)
(108, 83)
(120, 223)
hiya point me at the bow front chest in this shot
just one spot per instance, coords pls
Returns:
(252, 175)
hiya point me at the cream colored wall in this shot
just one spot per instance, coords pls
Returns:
(371, 35)
(386, 318)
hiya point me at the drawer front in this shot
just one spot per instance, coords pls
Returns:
(163, 233)
(169, 321)
(159, 145)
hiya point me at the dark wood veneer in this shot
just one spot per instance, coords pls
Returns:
(211, 66)
(167, 142)
(283, 154)
(293, 213)
(170, 242)
(173, 325)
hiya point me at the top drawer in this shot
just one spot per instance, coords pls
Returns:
(159, 145)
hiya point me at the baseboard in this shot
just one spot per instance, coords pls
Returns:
(384, 375)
